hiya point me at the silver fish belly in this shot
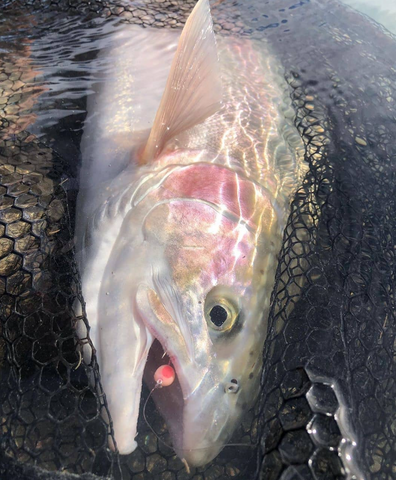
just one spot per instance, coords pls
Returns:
(187, 178)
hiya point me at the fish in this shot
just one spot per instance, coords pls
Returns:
(181, 245)
(328, 366)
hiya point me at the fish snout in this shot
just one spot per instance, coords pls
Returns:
(207, 421)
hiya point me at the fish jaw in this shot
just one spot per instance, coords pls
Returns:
(121, 339)
(122, 343)
(206, 429)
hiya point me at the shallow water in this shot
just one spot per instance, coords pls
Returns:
(328, 386)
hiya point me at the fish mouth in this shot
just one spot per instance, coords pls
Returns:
(171, 405)
(167, 348)
(187, 405)
(169, 400)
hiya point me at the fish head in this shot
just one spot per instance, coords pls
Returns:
(183, 250)
(207, 299)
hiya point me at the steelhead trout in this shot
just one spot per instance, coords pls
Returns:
(188, 170)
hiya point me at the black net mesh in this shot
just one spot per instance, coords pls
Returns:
(329, 384)
(46, 404)
(330, 364)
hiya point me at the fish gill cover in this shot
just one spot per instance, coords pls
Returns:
(327, 401)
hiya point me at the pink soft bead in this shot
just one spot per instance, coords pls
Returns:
(165, 374)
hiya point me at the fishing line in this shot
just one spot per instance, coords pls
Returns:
(156, 386)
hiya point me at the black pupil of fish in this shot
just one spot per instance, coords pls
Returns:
(218, 315)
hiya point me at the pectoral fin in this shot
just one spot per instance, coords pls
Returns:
(193, 89)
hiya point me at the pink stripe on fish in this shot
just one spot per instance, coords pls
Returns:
(218, 185)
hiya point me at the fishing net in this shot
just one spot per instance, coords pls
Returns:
(327, 403)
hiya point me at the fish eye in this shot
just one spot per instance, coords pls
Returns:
(220, 312)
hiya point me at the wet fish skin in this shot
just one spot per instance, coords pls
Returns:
(322, 41)
(199, 223)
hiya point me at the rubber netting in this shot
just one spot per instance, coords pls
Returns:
(327, 405)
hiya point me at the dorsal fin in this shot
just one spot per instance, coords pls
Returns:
(193, 89)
